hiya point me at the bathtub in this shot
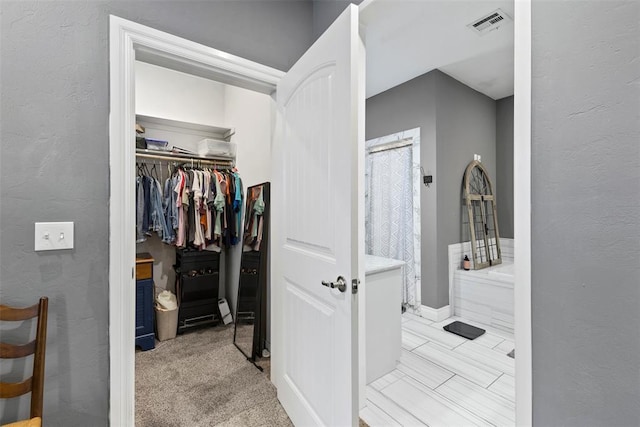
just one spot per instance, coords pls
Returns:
(504, 270)
(484, 296)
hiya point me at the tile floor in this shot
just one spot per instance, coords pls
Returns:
(445, 380)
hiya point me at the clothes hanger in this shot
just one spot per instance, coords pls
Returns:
(154, 172)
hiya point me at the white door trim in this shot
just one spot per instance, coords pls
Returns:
(522, 211)
(128, 40)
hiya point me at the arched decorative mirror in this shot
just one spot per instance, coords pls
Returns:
(482, 216)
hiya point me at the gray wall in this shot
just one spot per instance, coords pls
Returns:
(54, 105)
(466, 125)
(455, 123)
(325, 12)
(504, 165)
(586, 213)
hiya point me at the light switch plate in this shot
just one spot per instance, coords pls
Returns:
(53, 236)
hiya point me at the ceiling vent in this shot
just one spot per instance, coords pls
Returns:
(489, 22)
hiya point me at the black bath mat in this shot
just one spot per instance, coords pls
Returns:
(464, 330)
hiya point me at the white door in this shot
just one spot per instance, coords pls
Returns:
(317, 228)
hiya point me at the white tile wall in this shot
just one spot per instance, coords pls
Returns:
(457, 251)
(482, 296)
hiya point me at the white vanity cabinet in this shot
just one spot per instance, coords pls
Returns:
(383, 281)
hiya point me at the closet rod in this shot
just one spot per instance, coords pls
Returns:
(144, 154)
(391, 145)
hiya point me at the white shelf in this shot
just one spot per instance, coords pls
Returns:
(217, 132)
(185, 135)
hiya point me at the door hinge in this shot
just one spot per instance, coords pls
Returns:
(354, 286)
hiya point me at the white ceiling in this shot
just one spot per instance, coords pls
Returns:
(406, 39)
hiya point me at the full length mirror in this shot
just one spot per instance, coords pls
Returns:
(250, 331)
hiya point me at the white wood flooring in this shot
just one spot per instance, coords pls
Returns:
(445, 380)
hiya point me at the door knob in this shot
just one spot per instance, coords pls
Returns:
(340, 283)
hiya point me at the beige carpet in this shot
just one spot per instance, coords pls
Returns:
(201, 379)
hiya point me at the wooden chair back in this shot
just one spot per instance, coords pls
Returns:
(37, 347)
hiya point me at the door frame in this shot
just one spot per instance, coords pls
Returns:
(129, 41)
(522, 211)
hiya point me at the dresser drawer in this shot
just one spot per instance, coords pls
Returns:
(144, 270)
(144, 266)
(188, 260)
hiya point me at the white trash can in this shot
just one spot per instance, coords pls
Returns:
(166, 323)
(166, 316)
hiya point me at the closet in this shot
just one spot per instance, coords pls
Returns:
(197, 252)
(199, 213)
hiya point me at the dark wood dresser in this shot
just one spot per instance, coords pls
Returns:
(197, 286)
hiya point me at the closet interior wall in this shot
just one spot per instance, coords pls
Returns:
(168, 94)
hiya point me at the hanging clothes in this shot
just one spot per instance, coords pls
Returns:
(237, 207)
(179, 190)
(199, 208)
(150, 213)
(170, 209)
(158, 221)
(254, 223)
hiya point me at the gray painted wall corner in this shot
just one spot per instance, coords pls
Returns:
(585, 213)
(325, 12)
(504, 165)
(466, 125)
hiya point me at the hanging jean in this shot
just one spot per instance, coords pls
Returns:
(140, 236)
(158, 223)
(170, 210)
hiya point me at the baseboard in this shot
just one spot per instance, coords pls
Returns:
(435, 314)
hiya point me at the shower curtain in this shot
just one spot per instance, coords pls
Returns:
(389, 211)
